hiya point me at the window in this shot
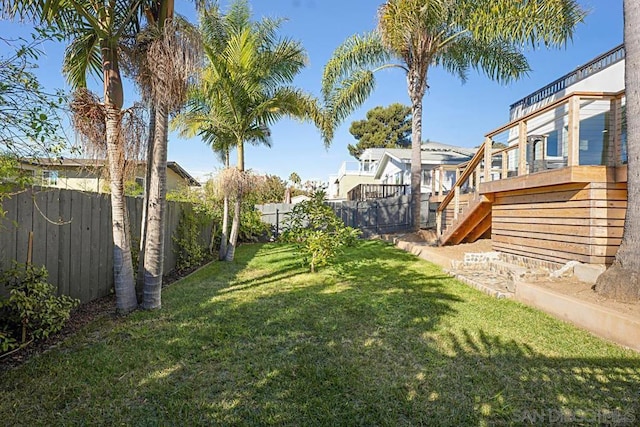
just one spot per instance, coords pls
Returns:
(49, 177)
(426, 177)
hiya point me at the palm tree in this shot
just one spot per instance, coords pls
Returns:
(622, 280)
(95, 32)
(167, 54)
(246, 83)
(198, 120)
(414, 35)
(295, 179)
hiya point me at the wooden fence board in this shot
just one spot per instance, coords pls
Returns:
(95, 242)
(40, 218)
(52, 235)
(75, 260)
(24, 219)
(86, 267)
(64, 243)
(8, 227)
(105, 272)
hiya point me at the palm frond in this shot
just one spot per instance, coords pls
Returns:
(82, 56)
(356, 53)
(550, 22)
(499, 60)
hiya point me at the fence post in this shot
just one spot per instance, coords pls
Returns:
(377, 219)
(277, 222)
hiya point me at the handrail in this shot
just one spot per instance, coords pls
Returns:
(473, 163)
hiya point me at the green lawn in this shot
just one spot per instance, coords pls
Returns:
(383, 338)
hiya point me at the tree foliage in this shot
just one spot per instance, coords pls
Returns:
(30, 116)
(317, 232)
(384, 127)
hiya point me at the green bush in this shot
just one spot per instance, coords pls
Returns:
(189, 251)
(32, 309)
(317, 232)
(252, 227)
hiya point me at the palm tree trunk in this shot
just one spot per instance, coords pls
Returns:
(123, 279)
(235, 228)
(225, 216)
(145, 203)
(225, 228)
(154, 242)
(416, 95)
(622, 280)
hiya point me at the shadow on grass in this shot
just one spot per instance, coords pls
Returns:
(373, 341)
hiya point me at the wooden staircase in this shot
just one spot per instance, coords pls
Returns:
(473, 222)
(458, 221)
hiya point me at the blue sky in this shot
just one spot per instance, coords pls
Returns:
(454, 113)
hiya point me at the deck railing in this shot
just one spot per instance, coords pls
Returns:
(527, 141)
(377, 191)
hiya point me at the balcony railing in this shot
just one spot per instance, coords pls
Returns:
(603, 61)
(377, 191)
(357, 168)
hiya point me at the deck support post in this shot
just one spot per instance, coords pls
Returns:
(614, 157)
(573, 155)
(433, 181)
(456, 202)
(522, 148)
(438, 223)
(441, 183)
(505, 165)
(488, 152)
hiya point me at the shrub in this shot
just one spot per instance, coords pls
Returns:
(317, 232)
(189, 251)
(32, 308)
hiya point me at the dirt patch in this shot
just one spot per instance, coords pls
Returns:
(584, 291)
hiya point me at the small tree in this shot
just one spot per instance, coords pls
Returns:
(317, 232)
(388, 127)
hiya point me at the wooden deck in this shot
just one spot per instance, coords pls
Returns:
(572, 212)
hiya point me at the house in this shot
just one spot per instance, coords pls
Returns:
(557, 192)
(395, 165)
(387, 171)
(89, 174)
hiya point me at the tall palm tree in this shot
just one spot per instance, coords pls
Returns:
(167, 58)
(247, 82)
(622, 280)
(199, 119)
(414, 35)
(95, 31)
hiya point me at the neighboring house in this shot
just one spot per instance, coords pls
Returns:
(395, 165)
(89, 174)
(392, 166)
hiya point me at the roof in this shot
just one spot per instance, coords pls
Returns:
(432, 153)
(96, 163)
(405, 153)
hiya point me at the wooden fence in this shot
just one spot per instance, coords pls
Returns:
(72, 237)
